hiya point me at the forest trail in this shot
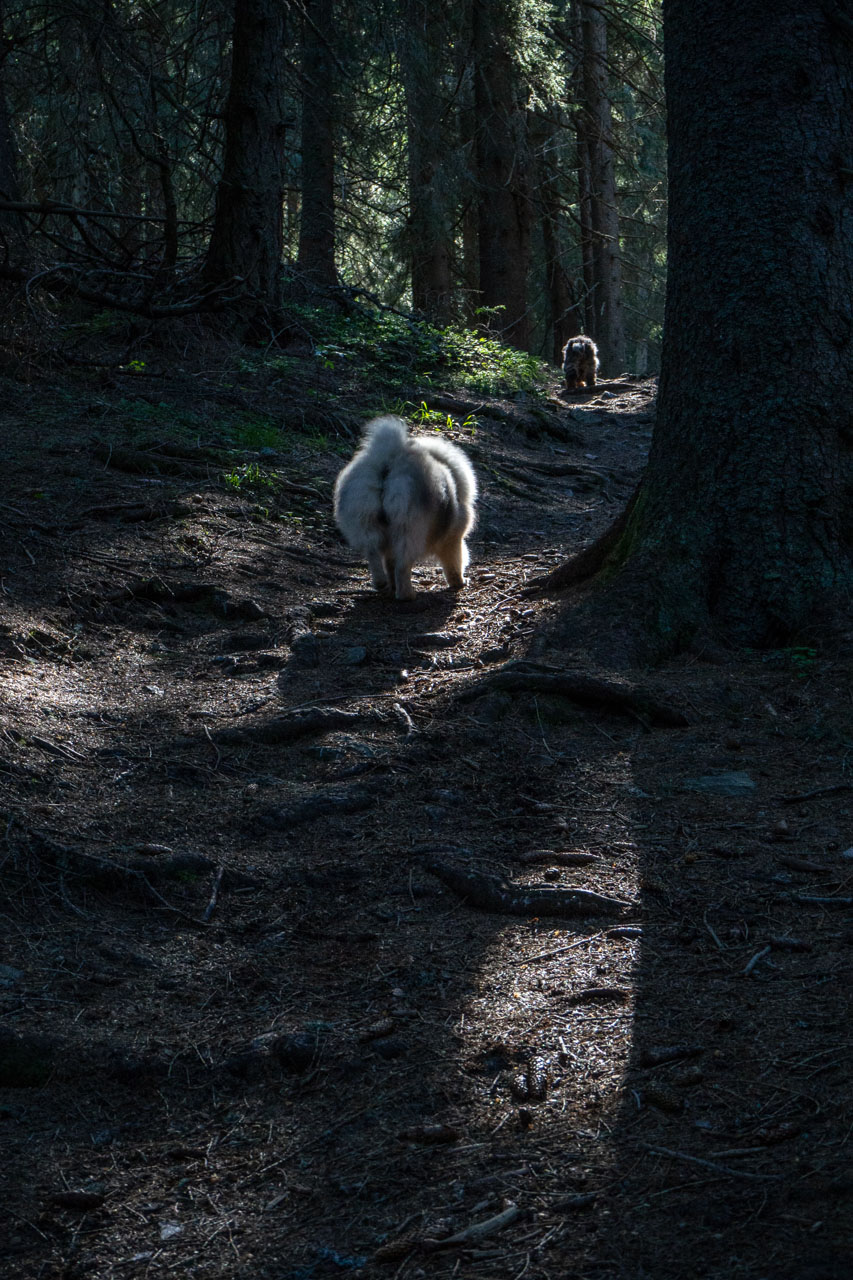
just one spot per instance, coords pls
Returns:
(328, 950)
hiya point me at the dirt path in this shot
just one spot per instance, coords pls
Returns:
(253, 1021)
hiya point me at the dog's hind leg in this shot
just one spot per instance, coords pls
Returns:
(403, 581)
(378, 570)
(453, 558)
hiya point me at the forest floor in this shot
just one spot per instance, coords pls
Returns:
(296, 981)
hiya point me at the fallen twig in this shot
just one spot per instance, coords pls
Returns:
(782, 943)
(214, 894)
(805, 865)
(560, 857)
(817, 794)
(558, 951)
(824, 902)
(709, 1164)
(759, 955)
(477, 1230)
(611, 995)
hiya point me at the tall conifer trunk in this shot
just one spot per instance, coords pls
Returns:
(502, 170)
(246, 241)
(424, 63)
(609, 326)
(317, 224)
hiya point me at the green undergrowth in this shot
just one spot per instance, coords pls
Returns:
(394, 351)
(345, 368)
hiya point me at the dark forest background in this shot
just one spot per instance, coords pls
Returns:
(493, 163)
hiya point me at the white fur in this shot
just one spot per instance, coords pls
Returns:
(403, 498)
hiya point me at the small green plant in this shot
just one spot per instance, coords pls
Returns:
(803, 660)
(252, 364)
(426, 417)
(250, 476)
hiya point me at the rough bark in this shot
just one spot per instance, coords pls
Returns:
(562, 311)
(317, 226)
(12, 227)
(742, 524)
(424, 60)
(502, 171)
(585, 319)
(246, 241)
(609, 325)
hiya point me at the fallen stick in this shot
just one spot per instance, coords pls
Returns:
(759, 955)
(477, 1230)
(563, 858)
(709, 1164)
(214, 894)
(817, 794)
(490, 893)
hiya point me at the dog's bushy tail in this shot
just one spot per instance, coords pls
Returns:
(384, 437)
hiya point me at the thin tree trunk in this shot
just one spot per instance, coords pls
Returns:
(559, 296)
(246, 241)
(588, 319)
(585, 319)
(471, 261)
(12, 225)
(502, 170)
(317, 226)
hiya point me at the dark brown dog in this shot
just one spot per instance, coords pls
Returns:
(580, 362)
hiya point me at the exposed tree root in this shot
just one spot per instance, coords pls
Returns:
(159, 591)
(282, 819)
(489, 893)
(586, 690)
(587, 562)
(534, 420)
(138, 877)
(159, 460)
(292, 725)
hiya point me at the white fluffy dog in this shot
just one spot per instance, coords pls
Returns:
(403, 498)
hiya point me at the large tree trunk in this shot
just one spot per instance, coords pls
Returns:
(743, 522)
(502, 170)
(425, 57)
(317, 226)
(609, 326)
(246, 241)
